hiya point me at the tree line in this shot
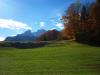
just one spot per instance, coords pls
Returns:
(82, 22)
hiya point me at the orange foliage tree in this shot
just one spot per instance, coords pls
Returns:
(83, 22)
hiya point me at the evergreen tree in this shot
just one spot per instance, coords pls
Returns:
(83, 13)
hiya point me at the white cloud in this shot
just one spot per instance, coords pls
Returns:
(42, 24)
(11, 24)
(60, 25)
(2, 38)
(52, 28)
(13, 35)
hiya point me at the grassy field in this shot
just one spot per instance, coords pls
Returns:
(69, 58)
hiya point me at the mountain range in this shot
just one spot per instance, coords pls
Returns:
(27, 36)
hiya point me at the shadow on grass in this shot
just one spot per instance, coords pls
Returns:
(91, 43)
(23, 45)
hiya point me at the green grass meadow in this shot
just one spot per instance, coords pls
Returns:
(68, 58)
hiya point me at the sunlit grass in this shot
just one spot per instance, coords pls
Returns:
(68, 58)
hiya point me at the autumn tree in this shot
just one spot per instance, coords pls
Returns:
(95, 20)
(84, 21)
(71, 20)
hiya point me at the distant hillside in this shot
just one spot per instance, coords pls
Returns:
(26, 36)
(39, 32)
(49, 35)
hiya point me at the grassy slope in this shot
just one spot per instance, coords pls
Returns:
(54, 59)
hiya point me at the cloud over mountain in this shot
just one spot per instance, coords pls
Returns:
(12, 24)
(42, 24)
(60, 25)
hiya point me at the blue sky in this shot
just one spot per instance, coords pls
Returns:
(17, 16)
